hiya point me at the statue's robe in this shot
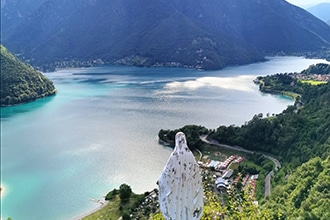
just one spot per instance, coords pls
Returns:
(180, 184)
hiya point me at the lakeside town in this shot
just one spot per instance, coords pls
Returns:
(315, 74)
(313, 77)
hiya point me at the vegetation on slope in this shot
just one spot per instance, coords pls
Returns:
(20, 82)
(239, 206)
(306, 194)
(123, 203)
(320, 68)
(192, 132)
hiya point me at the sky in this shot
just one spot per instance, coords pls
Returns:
(307, 3)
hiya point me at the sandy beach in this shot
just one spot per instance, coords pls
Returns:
(102, 203)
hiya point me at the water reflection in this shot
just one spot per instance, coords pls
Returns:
(10, 111)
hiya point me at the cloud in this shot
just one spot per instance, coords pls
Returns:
(240, 83)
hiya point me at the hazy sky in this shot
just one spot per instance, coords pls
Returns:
(304, 3)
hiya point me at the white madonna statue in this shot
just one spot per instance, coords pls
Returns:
(180, 184)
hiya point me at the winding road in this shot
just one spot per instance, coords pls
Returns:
(237, 148)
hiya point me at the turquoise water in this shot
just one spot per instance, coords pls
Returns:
(100, 130)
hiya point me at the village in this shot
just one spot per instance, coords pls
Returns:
(225, 173)
(314, 77)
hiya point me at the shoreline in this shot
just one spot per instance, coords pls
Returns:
(102, 203)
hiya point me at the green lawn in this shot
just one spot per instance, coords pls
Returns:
(110, 211)
(290, 94)
(313, 82)
(115, 209)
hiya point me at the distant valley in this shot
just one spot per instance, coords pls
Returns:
(196, 34)
(322, 11)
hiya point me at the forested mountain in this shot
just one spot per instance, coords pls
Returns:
(195, 33)
(20, 82)
(322, 11)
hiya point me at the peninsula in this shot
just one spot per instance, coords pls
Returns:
(20, 82)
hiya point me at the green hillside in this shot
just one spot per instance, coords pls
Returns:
(306, 194)
(320, 68)
(21, 83)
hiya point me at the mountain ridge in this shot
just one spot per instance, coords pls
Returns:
(197, 34)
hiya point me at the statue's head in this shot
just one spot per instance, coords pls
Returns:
(180, 140)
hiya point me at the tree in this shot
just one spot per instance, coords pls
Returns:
(111, 194)
(126, 216)
(125, 192)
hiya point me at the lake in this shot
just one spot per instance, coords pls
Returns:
(101, 128)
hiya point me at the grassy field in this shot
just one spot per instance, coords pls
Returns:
(110, 211)
(313, 82)
(290, 94)
(213, 151)
(140, 206)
